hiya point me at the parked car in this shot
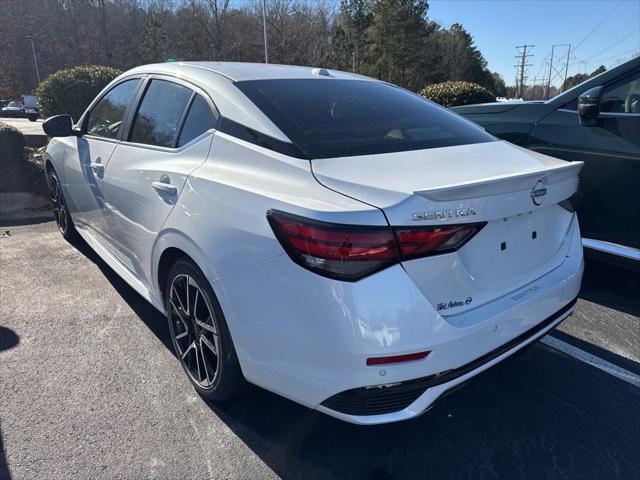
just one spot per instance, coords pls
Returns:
(12, 110)
(31, 107)
(332, 238)
(597, 122)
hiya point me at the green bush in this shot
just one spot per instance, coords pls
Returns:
(12, 162)
(72, 90)
(451, 94)
(12, 142)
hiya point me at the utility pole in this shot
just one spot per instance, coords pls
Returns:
(523, 64)
(35, 61)
(553, 47)
(264, 30)
(546, 96)
(566, 69)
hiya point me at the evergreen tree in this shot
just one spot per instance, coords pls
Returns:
(578, 78)
(398, 43)
(463, 60)
(349, 39)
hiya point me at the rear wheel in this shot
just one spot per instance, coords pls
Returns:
(200, 335)
(60, 210)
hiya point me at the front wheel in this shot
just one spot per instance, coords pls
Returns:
(60, 210)
(200, 335)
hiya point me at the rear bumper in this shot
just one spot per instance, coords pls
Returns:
(410, 398)
(307, 337)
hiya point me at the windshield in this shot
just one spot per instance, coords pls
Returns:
(327, 118)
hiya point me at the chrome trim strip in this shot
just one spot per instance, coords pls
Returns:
(612, 248)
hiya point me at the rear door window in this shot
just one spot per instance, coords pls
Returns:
(158, 118)
(335, 118)
(199, 119)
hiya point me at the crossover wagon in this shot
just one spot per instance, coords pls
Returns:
(332, 238)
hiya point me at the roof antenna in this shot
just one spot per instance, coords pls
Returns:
(320, 71)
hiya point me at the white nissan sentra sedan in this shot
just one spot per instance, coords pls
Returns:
(332, 238)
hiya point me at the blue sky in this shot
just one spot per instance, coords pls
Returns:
(599, 31)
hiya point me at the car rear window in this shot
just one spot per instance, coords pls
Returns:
(328, 118)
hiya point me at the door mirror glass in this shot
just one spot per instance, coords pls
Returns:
(589, 106)
(59, 126)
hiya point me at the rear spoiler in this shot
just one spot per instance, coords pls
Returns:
(502, 184)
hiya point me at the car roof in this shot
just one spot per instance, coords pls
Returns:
(241, 71)
(217, 80)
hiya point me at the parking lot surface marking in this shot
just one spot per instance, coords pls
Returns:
(592, 360)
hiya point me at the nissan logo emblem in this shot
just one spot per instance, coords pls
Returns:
(538, 192)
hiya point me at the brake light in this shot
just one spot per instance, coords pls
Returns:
(351, 252)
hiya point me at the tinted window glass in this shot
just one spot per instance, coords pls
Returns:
(105, 119)
(159, 114)
(572, 105)
(334, 118)
(623, 96)
(199, 119)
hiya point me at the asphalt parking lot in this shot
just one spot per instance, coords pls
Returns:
(89, 388)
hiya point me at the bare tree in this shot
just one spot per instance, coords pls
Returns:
(212, 14)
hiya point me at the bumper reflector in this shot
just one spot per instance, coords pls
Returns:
(410, 357)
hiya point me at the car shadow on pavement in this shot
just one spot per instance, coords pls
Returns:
(5, 474)
(611, 286)
(541, 414)
(154, 320)
(8, 338)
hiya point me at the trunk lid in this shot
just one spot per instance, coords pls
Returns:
(514, 190)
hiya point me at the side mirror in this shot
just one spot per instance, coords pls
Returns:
(59, 126)
(589, 107)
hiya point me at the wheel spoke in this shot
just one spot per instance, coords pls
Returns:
(178, 312)
(186, 286)
(195, 305)
(198, 360)
(174, 292)
(191, 345)
(204, 361)
(206, 326)
(209, 345)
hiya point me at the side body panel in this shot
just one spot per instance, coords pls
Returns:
(135, 211)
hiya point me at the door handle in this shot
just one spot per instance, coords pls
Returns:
(166, 188)
(97, 167)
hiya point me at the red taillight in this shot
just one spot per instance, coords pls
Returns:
(351, 252)
(410, 357)
(422, 242)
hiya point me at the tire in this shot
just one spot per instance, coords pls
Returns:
(60, 210)
(188, 296)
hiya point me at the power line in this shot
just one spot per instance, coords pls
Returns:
(635, 51)
(602, 22)
(615, 44)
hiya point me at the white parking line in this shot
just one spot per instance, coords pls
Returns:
(586, 357)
